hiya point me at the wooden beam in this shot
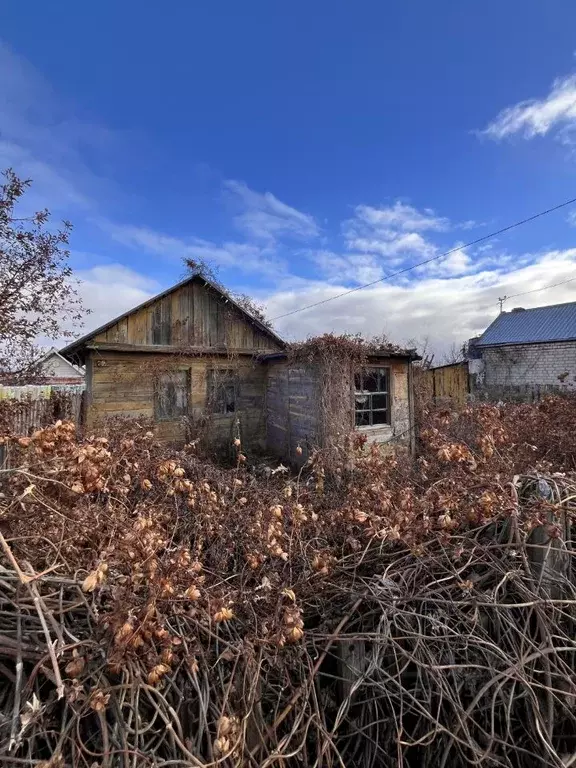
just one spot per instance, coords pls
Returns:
(164, 349)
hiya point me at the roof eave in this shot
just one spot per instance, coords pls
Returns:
(513, 343)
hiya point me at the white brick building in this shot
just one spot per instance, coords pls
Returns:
(527, 349)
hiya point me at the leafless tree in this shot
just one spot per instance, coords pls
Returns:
(38, 292)
(457, 353)
(422, 346)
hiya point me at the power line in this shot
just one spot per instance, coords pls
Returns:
(535, 290)
(428, 261)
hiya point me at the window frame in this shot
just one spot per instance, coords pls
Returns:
(221, 378)
(179, 410)
(384, 370)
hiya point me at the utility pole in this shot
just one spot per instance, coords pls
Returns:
(502, 300)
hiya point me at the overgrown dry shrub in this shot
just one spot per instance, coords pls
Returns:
(210, 600)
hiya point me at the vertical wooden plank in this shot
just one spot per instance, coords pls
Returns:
(222, 323)
(212, 317)
(162, 321)
(198, 315)
(175, 320)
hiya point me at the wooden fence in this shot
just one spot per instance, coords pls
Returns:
(24, 409)
(447, 382)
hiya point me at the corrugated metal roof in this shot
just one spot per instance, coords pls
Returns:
(530, 326)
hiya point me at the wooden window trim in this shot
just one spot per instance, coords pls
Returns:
(382, 392)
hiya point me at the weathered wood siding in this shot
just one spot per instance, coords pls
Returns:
(293, 414)
(291, 411)
(190, 316)
(448, 383)
(122, 384)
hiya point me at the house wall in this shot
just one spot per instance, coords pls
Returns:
(293, 413)
(122, 384)
(521, 365)
(191, 316)
(55, 367)
(398, 431)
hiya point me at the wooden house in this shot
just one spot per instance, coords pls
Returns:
(197, 364)
(183, 358)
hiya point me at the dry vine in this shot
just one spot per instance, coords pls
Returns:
(195, 616)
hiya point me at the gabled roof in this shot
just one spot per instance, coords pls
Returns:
(75, 347)
(532, 326)
(53, 352)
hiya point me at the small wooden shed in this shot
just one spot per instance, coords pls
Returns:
(308, 406)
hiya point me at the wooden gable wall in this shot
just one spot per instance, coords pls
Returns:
(190, 316)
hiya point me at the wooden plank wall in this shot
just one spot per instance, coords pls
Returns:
(122, 384)
(448, 382)
(291, 413)
(192, 315)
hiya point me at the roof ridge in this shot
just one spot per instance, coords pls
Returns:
(549, 323)
(532, 309)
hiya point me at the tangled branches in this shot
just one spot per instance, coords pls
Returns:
(159, 610)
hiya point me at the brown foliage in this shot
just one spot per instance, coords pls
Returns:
(166, 523)
(189, 570)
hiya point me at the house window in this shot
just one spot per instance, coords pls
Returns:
(171, 395)
(222, 390)
(372, 397)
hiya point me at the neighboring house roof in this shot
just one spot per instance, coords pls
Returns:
(76, 346)
(532, 326)
(53, 353)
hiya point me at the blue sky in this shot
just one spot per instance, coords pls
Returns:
(303, 148)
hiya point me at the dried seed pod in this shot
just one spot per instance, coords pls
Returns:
(75, 667)
(224, 726)
(224, 614)
(295, 634)
(221, 746)
(90, 582)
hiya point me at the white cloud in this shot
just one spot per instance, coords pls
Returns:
(571, 218)
(458, 262)
(393, 233)
(109, 290)
(537, 117)
(357, 268)
(400, 217)
(246, 257)
(264, 217)
(445, 309)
